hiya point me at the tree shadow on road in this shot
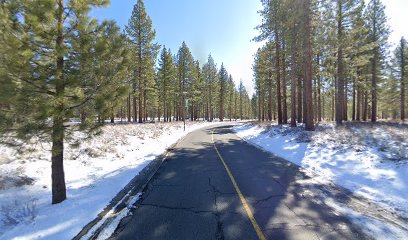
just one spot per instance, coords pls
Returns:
(192, 197)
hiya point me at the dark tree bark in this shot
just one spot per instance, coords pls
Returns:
(374, 86)
(211, 108)
(308, 68)
(319, 100)
(278, 80)
(299, 99)
(332, 105)
(314, 86)
(304, 98)
(112, 120)
(284, 102)
(340, 67)
(365, 105)
(345, 108)
(402, 67)
(353, 108)
(293, 92)
(259, 107)
(58, 130)
(358, 103)
(129, 114)
(134, 103)
(270, 96)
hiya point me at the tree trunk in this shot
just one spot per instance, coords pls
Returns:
(318, 108)
(293, 93)
(345, 108)
(332, 105)
(112, 120)
(284, 105)
(299, 99)
(308, 68)
(319, 100)
(135, 102)
(140, 103)
(374, 87)
(211, 108)
(128, 109)
(365, 106)
(340, 67)
(358, 104)
(278, 79)
(353, 108)
(314, 87)
(403, 51)
(57, 152)
(304, 98)
(269, 96)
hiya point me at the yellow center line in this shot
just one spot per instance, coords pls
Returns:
(258, 230)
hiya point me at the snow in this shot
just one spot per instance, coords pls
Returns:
(370, 160)
(110, 229)
(376, 228)
(95, 171)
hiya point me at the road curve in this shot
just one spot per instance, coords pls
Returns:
(213, 185)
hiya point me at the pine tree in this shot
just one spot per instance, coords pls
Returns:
(50, 87)
(308, 65)
(141, 35)
(112, 66)
(230, 91)
(401, 59)
(196, 90)
(10, 52)
(185, 68)
(241, 91)
(210, 83)
(166, 83)
(378, 33)
(223, 78)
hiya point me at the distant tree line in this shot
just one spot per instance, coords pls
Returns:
(58, 63)
(327, 60)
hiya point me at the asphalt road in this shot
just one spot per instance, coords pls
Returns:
(231, 191)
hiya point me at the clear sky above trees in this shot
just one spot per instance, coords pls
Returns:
(224, 28)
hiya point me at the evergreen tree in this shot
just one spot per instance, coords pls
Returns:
(141, 35)
(210, 83)
(378, 34)
(166, 83)
(196, 88)
(402, 63)
(49, 88)
(230, 96)
(185, 68)
(223, 78)
(241, 91)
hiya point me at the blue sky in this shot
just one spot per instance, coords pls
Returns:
(223, 28)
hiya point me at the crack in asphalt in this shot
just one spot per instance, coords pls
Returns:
(189, 209)
(166, 185)
(268, 198)
(219, 234)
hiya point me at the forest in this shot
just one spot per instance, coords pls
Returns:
(321, 61)
(103, 103)
(59, 65)
(328, 61)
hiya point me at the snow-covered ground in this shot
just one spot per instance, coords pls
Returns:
(95, 171)
(369, 159)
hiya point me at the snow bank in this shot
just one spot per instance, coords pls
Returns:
(370, 160)
(95, 172)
